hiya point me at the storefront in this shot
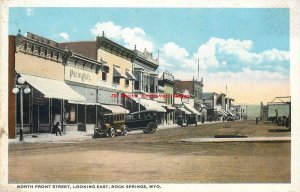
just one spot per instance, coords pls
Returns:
(82, 75)
(37, 64)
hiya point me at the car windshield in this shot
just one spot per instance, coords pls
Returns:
(106, 118)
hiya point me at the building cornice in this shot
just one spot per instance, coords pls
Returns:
(39, 49)
(114, 48)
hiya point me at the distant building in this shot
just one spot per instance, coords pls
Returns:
(210, 101)
(263, 111)
(195, 88)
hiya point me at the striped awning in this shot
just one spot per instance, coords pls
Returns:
(118, 72)
(150, 105)
(130, 76)
(191, 109)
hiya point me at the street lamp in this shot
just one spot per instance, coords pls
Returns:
(20, 87)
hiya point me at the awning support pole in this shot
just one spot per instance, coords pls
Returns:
(50, 114)
(62, 114)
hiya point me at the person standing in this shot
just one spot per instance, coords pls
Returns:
(56, 129)
(256, 120)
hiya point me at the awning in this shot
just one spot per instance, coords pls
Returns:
(219, 113)
(169, 107)
(150, 105)
(185, 111)
(115, 109)
(53, 88)
(130, 76)
(229, 113)
(119, 73)
(202, 106)
(191, 109)
(82, 103)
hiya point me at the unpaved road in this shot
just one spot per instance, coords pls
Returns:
(157, 158)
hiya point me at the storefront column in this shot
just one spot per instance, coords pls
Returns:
(30, 112)
(38, 120)
(85, 114)
(76, 113)
(62, 107)
(96, 116)
(50, 114)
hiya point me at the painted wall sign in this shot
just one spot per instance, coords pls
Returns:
(80, 76)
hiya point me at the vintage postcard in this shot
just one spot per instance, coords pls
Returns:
(149, 96)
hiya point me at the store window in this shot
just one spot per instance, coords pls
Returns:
(81, 114)
(90, 114)
(44, 114)
(71, 114)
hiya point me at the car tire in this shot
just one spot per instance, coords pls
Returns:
(151, 128)
(112, 132)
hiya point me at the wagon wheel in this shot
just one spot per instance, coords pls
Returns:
(124, 130)
(112, 132)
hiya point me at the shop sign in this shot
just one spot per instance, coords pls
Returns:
(80, 76)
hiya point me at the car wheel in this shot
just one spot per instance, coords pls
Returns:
(125, 130)
(112, 132)
(151, 128)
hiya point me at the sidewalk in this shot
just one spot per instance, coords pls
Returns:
(75, 136)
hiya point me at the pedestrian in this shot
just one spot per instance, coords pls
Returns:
(256, 120)
(56, 129)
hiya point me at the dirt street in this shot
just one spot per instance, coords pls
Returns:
(157, 158)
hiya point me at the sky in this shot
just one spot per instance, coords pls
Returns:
(243, 49)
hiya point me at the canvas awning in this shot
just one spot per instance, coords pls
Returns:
(202, 106)
(119, 73)
(191, 109)
(185, 111)
(130, 76)
(115, 109)
(83, 103)
(150, 105)
(169, 107)
(53, 88)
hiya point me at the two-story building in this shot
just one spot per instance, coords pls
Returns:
(195, 88)
(48, 71)
(166, 81)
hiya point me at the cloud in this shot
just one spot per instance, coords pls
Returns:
(129, 36)
(225, 55)
(29, 11)
(247, 75)
(65, 36)
(173, 50)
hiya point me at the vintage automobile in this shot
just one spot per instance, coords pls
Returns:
(191, 119)
(145, 120)
(111, 125)
(186, 119)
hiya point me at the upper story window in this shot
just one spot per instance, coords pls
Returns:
(104, 76)
(116, 80)
(126, 82)
(137, 80)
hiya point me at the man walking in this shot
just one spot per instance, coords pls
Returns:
(56, 129)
